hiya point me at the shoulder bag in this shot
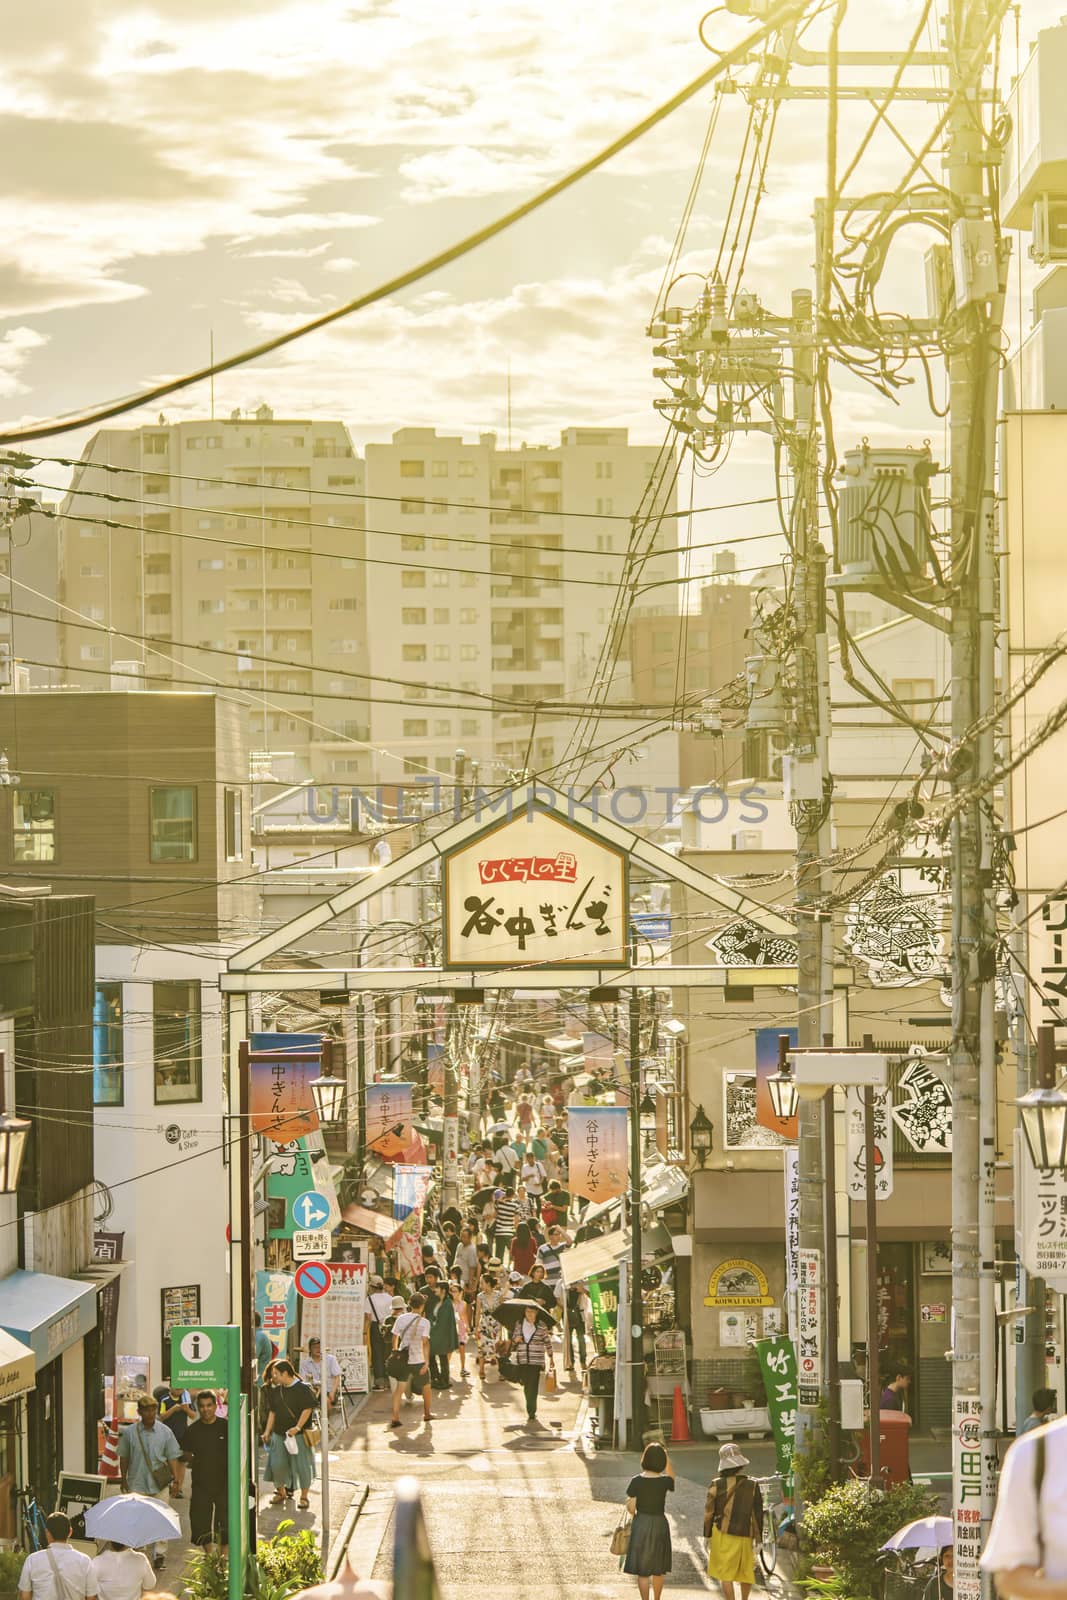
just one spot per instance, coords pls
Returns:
(160, 1475)
(620, 1538)
(63, 1588)
(1039, 1478)
(396, 1364)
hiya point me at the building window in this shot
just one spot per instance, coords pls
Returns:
(468, 652)
(107, 1045)
(442, 614)
(466, 469)
(412, 541)
(412, 580)
(35, 824)
(413, 469)
(604, 469)
(91, 652)
(413, 652)
(92, 572)
(914, 689)
(468, 615)
(176, 1042)
(440, 469)
(347, 602)
(172, 823)
(233, 819)
(155, 444)
(211, 564)
(442, 729)
(413, 616)
(468, 727)
(442, 652)
(441, 580)
(415, 727)
(412, 508)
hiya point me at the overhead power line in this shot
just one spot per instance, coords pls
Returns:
(777, 17)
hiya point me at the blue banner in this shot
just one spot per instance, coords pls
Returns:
(409, 1189)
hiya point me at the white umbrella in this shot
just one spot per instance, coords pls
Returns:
(133, 1519)
(927, 1533)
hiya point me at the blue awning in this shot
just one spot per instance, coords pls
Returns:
(48, 1314)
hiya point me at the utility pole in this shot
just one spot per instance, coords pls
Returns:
(973, 370)
(810, 787)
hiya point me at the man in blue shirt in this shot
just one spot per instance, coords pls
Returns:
(145, 1448)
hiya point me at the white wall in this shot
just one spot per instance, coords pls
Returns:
(163, 1163)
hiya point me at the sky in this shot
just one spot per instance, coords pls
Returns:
(177, 170)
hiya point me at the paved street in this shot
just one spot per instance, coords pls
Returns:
(509, 1513)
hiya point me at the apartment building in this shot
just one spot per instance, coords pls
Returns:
(234, 556)
(506, 567)
(263, 554)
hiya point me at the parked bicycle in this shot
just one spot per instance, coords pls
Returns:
(31, 1521)
(777, 1519)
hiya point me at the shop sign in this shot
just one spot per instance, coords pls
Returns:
(18, 1368)
(856, 1144)
(791, 1169)
(737, 1328)
(738, 1283)
(1050, 959)
(809, 1326)
(410, 1184)
(604, 1296)
(276, 1303)
(538, 890)
(778, 1369)
(281, 1103)
(343, 1309)
(923, 1111)
(1042, 1228)
(598, 1167)
(967, 1496)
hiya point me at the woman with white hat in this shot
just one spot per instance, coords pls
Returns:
(733, 1520)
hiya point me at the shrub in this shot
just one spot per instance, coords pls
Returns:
(283, 1565)
(846, 1528)
(10, 1570)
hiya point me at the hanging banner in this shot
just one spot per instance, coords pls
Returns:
(604, 1297)
(435, 1067)
(343, 1310)
(409, 1189)
(856, 1144)
(766, 1067)
(281, 1103)
(1041, 1218)
(405, 1241)
(778, 1368)
(791, 1169)
(597, 1155)
(388, 1112)
(539, 890)
(923, 1111)
(276, 1303)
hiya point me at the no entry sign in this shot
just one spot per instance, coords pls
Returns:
(313, 1279)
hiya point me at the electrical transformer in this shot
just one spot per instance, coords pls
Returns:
(886, 541)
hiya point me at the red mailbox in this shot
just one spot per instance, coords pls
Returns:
(893, 1432)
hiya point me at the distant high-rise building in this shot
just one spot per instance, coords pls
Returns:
(376, 612)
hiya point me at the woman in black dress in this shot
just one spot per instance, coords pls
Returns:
(648, 1557)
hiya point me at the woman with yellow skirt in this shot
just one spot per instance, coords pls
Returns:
(733, 1520)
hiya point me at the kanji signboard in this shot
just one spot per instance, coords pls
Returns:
(280, 1099)
(535, 889)
(809, 1326)
(778, 1369)
(856, 1144)
(596, 1145)
(1041, 1228)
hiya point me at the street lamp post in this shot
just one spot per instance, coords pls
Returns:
(701, 1135)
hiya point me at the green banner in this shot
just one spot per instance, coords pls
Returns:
(604, 1294)
(778, 1369)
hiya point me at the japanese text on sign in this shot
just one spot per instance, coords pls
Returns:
(1052, 960)
(809, 1325)
(967, 1497)
(535, 889)
(856, 1144)
(597, 1154)
(792, 1235)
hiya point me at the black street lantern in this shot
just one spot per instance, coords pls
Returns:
(1043, 1114)
(700, 1135)
(329, 1098)
(785, 1096)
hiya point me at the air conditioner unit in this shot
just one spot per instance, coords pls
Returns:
(747, 839)
(1049, 241)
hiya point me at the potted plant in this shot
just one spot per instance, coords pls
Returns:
(845, 1529)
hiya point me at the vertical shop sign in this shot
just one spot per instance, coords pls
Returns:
(604, 1295)
(856, 1144)
(809, 1326)
(791, 1168)
(967, 1496)
(778, 1368)
(597, 1151)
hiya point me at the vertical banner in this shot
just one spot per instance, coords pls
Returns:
(604, 1296)
(778, 1368)
(388, 1112)
(856, 1145)
(967, 1496)
(809, 1326)
(766, 1067)
(405, 1241)
(450, 1153)
(276, 1303)
(791, 1172)
(597, 1153)
(435, 1067)
(409, 1189)
(343, 1310)
(281, 1103)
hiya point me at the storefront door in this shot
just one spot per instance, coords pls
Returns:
(46, 1432)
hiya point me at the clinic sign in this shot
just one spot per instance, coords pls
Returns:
(535, 890)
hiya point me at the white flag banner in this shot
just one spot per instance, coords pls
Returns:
(856, 1145)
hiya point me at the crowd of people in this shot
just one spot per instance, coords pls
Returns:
(490, 1301)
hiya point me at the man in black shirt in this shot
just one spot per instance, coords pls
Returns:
(205, 1445)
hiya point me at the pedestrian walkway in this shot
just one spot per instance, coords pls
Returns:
(524, 1514)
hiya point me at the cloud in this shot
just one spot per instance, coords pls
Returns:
(16, 347)
(53, 159)
(343, 264)
(464, 171)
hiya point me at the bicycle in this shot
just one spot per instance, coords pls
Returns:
(32, 1520)
(767, 1548)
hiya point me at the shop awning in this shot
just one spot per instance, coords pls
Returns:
(48, 1314)
(368, 1221)
(18, 1368)
(594, 1255)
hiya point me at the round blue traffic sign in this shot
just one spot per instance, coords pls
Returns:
(313, 1279)
(311, 1210)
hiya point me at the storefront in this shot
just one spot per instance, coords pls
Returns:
(52, 1316)
(17, 1375)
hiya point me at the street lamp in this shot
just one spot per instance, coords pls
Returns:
(647, 1115)
(700, 1135)
(329, 1099)
(1043, 1114)
(785, 1096)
